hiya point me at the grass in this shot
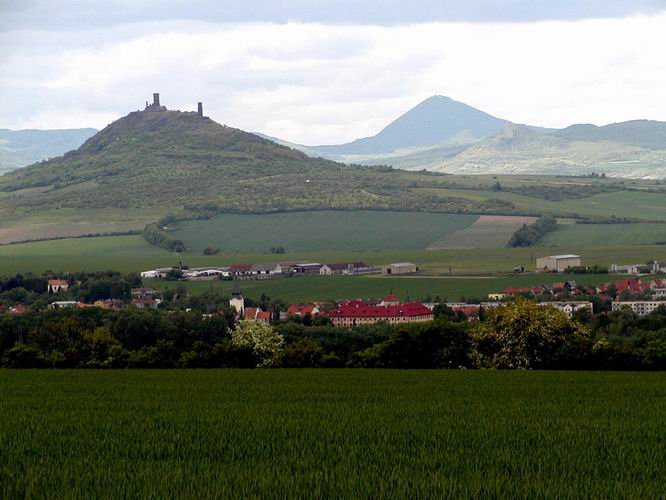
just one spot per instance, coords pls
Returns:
(590, 235)
(133, 254)
(321, 231)
(331, 433)
(646, 206)
(489, 231)
(315, 288)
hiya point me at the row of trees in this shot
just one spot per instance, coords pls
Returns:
(522, 335)
(530, 234)
(155, 235)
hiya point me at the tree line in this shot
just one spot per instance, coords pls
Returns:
(521, 335)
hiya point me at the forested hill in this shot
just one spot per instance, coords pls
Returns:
(172, 160)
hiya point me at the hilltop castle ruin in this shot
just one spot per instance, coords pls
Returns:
(156, 107)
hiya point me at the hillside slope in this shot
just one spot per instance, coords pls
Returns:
(19, 148)
(518, 149)
(170, 161)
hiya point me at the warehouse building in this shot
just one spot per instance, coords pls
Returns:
(559, 263)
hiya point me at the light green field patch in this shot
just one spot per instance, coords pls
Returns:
(590, 235)
(320, 231)
(489, 231)
(646, 206)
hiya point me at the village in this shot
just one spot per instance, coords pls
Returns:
(638, 294)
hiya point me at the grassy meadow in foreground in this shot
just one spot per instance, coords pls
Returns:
(331, 433)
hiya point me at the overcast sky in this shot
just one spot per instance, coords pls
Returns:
(318, 72)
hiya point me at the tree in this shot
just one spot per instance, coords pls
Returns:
(265, 342)
(522, 334)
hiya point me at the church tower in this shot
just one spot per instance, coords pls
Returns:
(237, 301)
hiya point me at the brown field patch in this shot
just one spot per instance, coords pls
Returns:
(489, 231)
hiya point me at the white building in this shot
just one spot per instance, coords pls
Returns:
(399, 268)
(571, 307)
(640, 307)
(559, 263)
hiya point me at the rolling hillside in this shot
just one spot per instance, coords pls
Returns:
(154, 162)
(579, 150)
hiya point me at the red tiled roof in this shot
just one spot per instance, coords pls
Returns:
(257, 314)
(358, 309)
(58, 283)
(300, 310)
(391, 298)
(469, 310)
(18, 309)
(234, 268)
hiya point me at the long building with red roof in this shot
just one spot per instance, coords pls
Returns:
(356, 312)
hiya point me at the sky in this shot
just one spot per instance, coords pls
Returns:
(316, 72)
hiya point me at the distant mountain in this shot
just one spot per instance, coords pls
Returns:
(19, 148)
(437, 121)
(581, 149)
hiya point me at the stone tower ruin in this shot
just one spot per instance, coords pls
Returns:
(200, 109)
(155, 106)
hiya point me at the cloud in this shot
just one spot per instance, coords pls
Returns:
(84, 14)
(319, 83)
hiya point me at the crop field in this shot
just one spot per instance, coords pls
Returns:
(646, 206)
(320, 231)
(488, 231)
(133, 254)
(590, 235)
(315, 288)
(331, 433)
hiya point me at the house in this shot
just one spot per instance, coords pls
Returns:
(146, 302)
(399, 268)
(303, 310)
(390, 300)
(239, 270)
(18, 309)
(265, 270)
(237, 301)
(135, 292)
(571, 307)
(632, 286)
(559, 263)
(356, 312)
(306, 268)
(57, 286)
(496, 296)
(257, 314)
(471, 311)
(64, 304)
(640, 307)
(343, 268)
(156, 273)
(658, 288)
(206, 273)
(651, 268)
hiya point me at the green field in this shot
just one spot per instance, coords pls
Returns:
(331, 434)
(132, 253)
(646, 206)
(320, 231)
(315, 288)
(590, 235)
